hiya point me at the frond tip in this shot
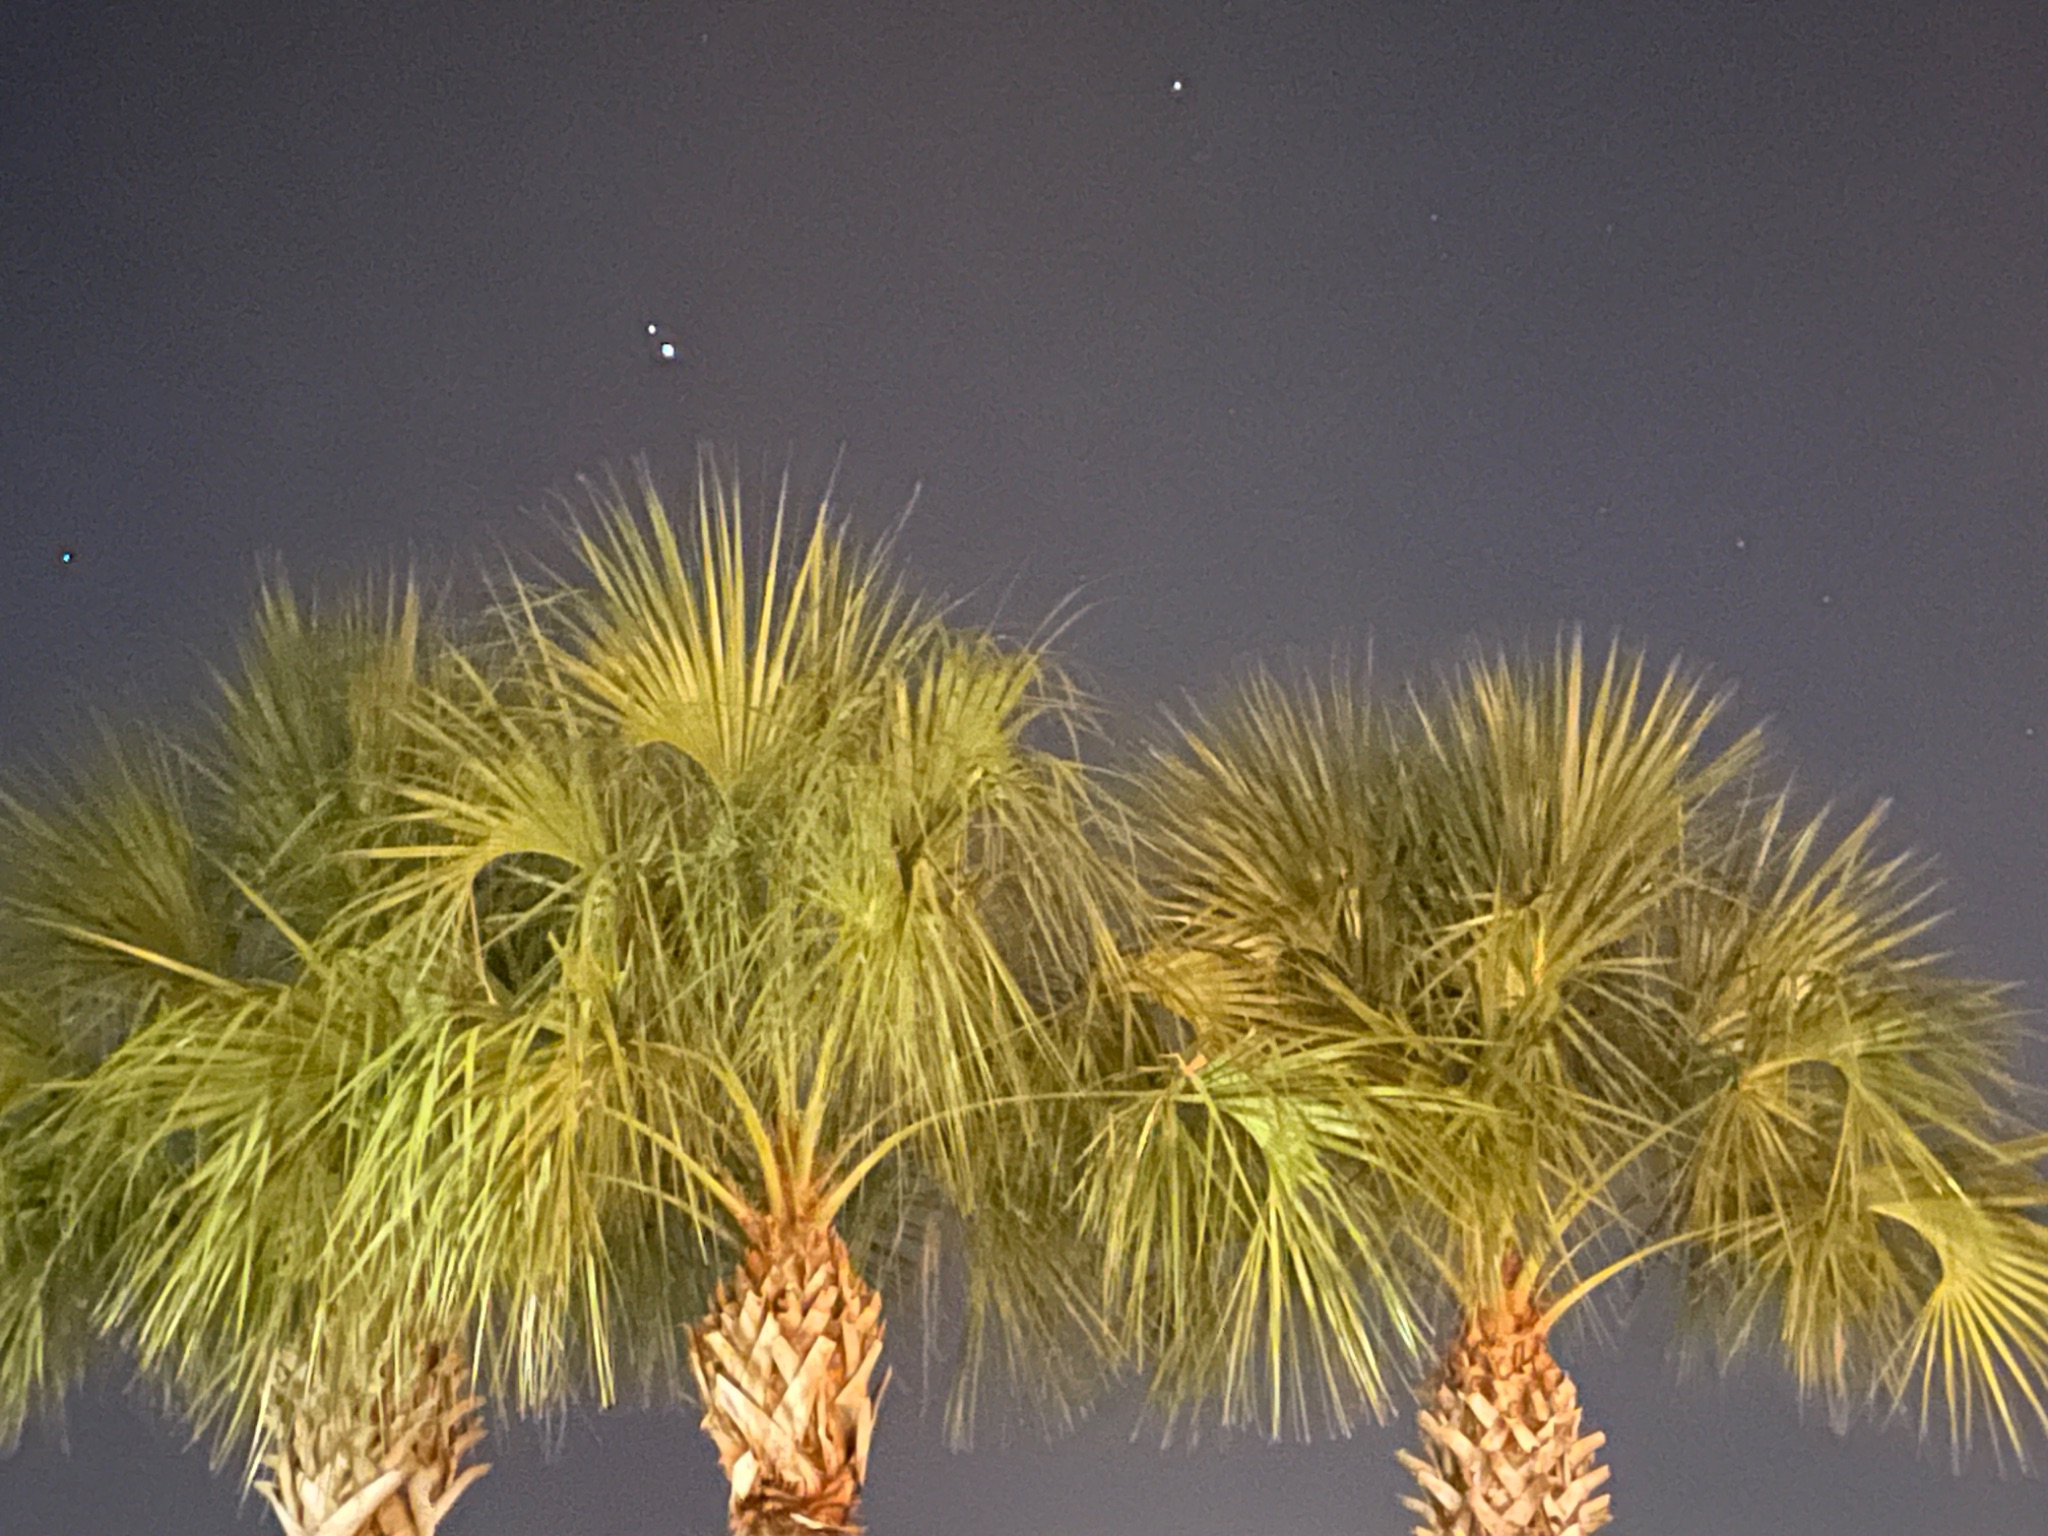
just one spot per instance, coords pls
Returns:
(1976, 1352)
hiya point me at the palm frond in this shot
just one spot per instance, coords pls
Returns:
(1248, 1205)
(1850, 1096)
(736, 659)
(99, 870)
(1976, 1350)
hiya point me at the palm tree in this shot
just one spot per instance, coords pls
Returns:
(780, 883)
(1485, 1007)
(446, 1015)
(204, 1052)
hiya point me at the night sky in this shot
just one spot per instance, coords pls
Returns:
(1723, 327)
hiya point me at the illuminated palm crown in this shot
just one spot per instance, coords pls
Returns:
(1476, 1005)
(463, 1008)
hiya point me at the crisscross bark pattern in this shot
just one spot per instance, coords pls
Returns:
(395, 1471)
(1503, 1455)
(784, 1365)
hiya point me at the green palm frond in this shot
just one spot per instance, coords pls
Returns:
(501, 803)
(312, 713)
(108, 900)
(47, 1338)
(484, 1177)
(309, 733)
(1547, 813)
(1246, 1195)
(188, 1142)
(1032, 1317)
(1846, 1176)
(24, 1060)
(1245, 1203)
(738, 659)
(1976, 1350)
(109, 913)
(963, 884)
(1476, 890)
(1266, 824)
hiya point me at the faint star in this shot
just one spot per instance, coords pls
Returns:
(64, 558)
(1742, 543)
(1179, 87)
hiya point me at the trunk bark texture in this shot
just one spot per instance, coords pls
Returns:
(395, 1471)
(785, 1363)
(1502, 1452)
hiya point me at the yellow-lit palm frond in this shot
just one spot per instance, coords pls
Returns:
(1848, 1178)
(742, 659)
(1249, 1207)
(106, 899)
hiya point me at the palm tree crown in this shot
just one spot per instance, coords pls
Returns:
(787, 881)
(1550, 989)
(462, 1008)
(170, 934)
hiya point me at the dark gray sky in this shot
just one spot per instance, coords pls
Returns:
(1723, 326)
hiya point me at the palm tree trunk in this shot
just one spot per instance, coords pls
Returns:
(395, 1472)
(1502, 1452)
(784, 1362)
